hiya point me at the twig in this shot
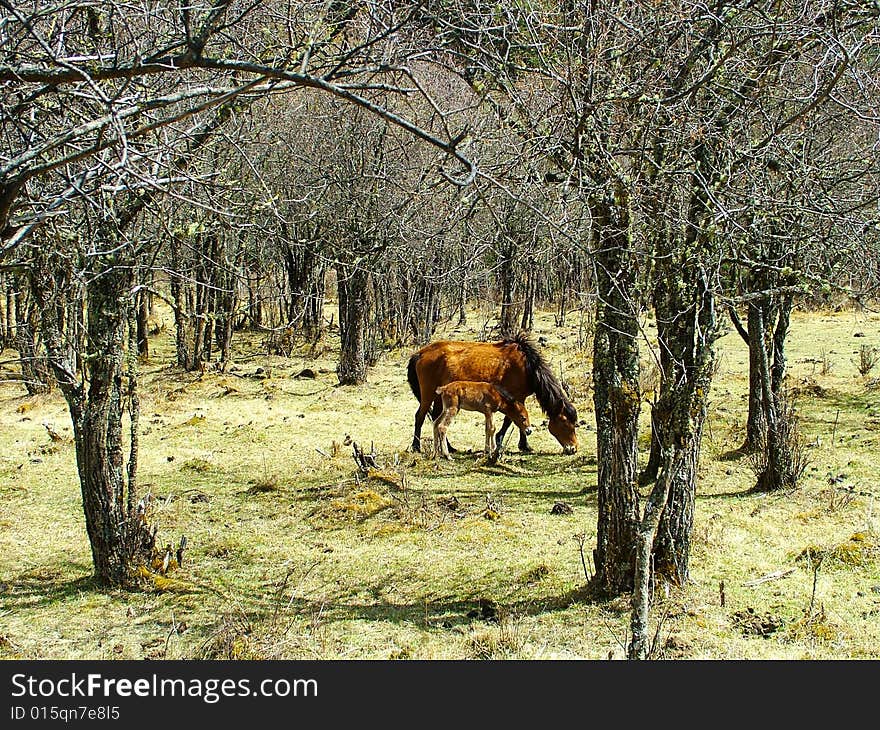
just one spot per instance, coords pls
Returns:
(815, 566)
(775, 575)
(581, 538)
(654, 648)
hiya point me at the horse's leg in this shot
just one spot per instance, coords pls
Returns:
(417, 430)
(436, 410)
(523, 441)
(499, 436)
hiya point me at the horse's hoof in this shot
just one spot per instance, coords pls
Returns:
(527, 449)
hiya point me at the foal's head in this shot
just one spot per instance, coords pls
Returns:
(516, 411)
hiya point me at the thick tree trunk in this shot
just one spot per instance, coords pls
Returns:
(672, 546)
(184, 303)
(772, 476)
(687, 328)
(119, 541)
(352, 285)
(99, 439)
(616, 400)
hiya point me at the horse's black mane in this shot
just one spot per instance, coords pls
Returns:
(547, 388)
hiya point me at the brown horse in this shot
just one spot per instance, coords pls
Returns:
(485, 398)
(515, 364)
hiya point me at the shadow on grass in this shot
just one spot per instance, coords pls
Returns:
(54, 585)
(49, 585)
(733, 454)
(440, 614)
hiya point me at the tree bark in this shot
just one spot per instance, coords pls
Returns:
(616, 399)
(755, 424)
(119, 541)
(142, 317)
(687, 328)
(646, 534)
(352, 285)
(34, 370)
(507, 284)
(772, 477)
(528, 315)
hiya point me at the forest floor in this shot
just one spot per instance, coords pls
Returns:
(291, 554)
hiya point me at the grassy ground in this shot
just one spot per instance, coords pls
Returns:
(292, 556)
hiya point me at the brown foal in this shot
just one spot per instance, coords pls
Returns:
(470, 395)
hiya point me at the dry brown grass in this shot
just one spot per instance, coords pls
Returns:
(294, 554)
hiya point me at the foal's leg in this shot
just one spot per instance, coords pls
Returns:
(491, 451)
(436, 410)
(437, 437)
(440, 430)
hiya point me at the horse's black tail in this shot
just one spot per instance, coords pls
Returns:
(413, 377)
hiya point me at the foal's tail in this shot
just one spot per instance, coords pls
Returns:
(413, 377)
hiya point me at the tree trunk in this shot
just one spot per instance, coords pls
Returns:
(99, 435)
(10, 313)
(652, 468)
(142, 318)
(4, 314)
(755, 425)
(616, 399)
(780, 332)
(528, 315)
(686, 308)
(119, 540)
(352, 284)
(643, 588)
(777, 470)
(462, 301)
(507, 320)
(34, 370)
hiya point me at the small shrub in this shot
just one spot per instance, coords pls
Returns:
(200, 466)
(827, 362)
(793, 458)
(868, 358)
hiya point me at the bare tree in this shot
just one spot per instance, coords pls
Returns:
(109, 102)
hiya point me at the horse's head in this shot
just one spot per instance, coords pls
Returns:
(562, 425)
